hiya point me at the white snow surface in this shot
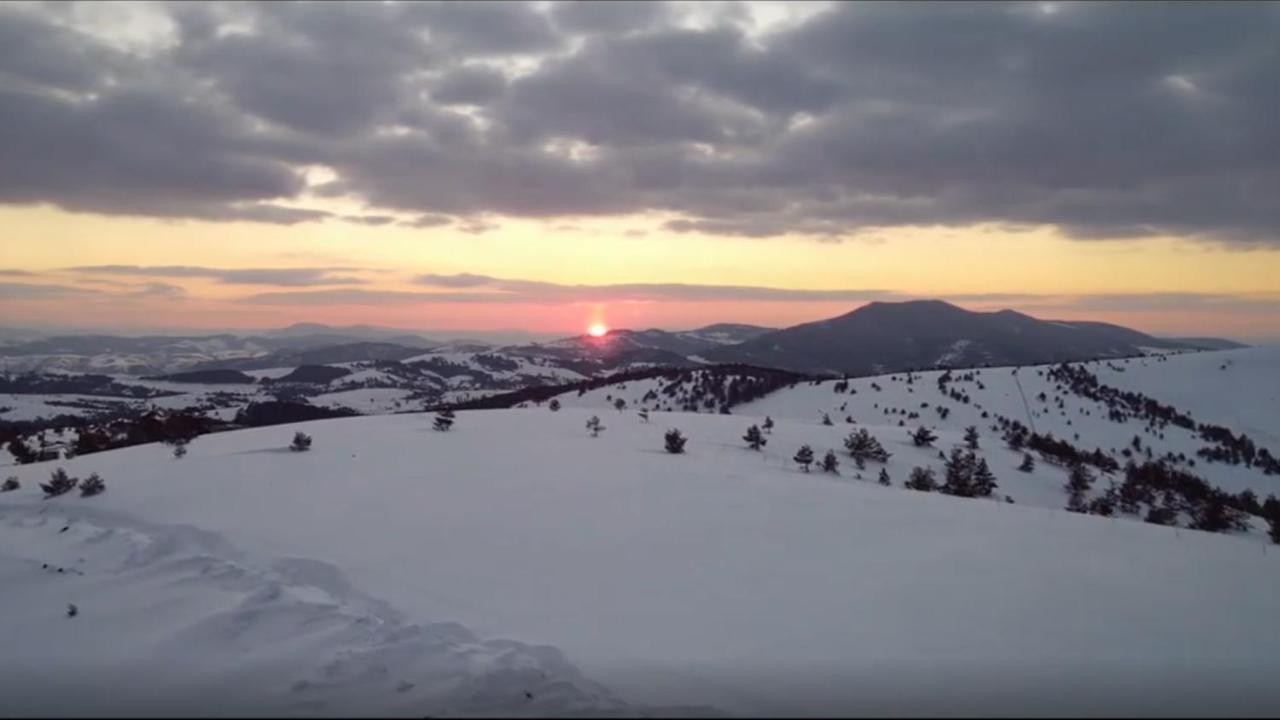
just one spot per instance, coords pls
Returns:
(511, 564)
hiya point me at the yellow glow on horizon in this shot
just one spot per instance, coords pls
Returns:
(916, 261)
(597, 330)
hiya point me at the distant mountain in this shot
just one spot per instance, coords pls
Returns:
(1209, 343)
(887, 337)
(327, 355)
(316, 334)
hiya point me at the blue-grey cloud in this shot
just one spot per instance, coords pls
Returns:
(286, 277)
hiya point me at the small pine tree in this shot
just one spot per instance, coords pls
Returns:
(1273, 529)
(59, 484)
(644, 415)
(92, 485)
(444, 420)
(1079, 480)
(620, 404)
(959, 474)
(971, 437)
(675, 441)
(554, 405)
(984, 481)
(10, 484)
(830, 463)
(826, 419)
(922, 479)
(301, 442)
(594, 426)
(768, 424)
(884, 477)
(1028, 463)
(804, 457)
(923, 437)
(754, 438)
(179, 448)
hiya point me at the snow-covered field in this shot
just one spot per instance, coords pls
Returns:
(511, 564)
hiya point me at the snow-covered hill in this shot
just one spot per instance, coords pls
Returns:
(511, 564)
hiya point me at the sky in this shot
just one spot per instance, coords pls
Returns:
(549, 165)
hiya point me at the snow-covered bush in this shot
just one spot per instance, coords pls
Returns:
(675, 441)
(10, 484)
(301, 442)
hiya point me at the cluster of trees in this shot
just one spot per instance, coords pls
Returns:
(967, 475)
(1236, 449)
(1060, 452)
(60, 483)
(863, 447)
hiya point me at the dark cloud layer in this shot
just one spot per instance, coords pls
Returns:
(1105, 119)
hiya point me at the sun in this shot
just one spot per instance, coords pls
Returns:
(597, 330)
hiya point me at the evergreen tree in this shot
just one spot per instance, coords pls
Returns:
(644, 415)
(554, 405)
(768, 424)
(59, 484)
(594, 426)
(754, 438)
(862, 446)
(830, 463)
(301, 442)
(884, 477)
(620, 404)
(1273, 529)
(21, 453)
(984, 481)
(179, 448)
(10, 484)
(923, 437)
(92, 485)
(804, 456)
(922, 479)
(971, 437)
(826, 419)
(1079, 480)
(443, 421)
(958, 474)
(675, 441)
(1028, 463)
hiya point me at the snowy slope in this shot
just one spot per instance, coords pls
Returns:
(254, 578)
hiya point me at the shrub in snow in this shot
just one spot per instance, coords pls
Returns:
(620, 404)
(862, 446)
(675, 441)
(884, 477)
(644, 415)
(830, 463)
(10, 484)
(444, 420)
(754, 438)
(59, 484)
(804, 457)
(1079, 480)
(1028, 463)
(179, 448)
(923, 437)
(1274, 528)
(301, 442)
(92, 485)
(554, 405)
(768, 424)
(826, 419)
(594, 426)
(922, 479)
(72, 610)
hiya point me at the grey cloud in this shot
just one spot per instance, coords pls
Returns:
(15, 273)
(288, 277)
(469, 85)
(618, 16)
(373, 220)
(1104, 119)
(509, 290)
(42, 291)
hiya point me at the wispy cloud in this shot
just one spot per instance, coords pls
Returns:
(42, 291)
(285, 277)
